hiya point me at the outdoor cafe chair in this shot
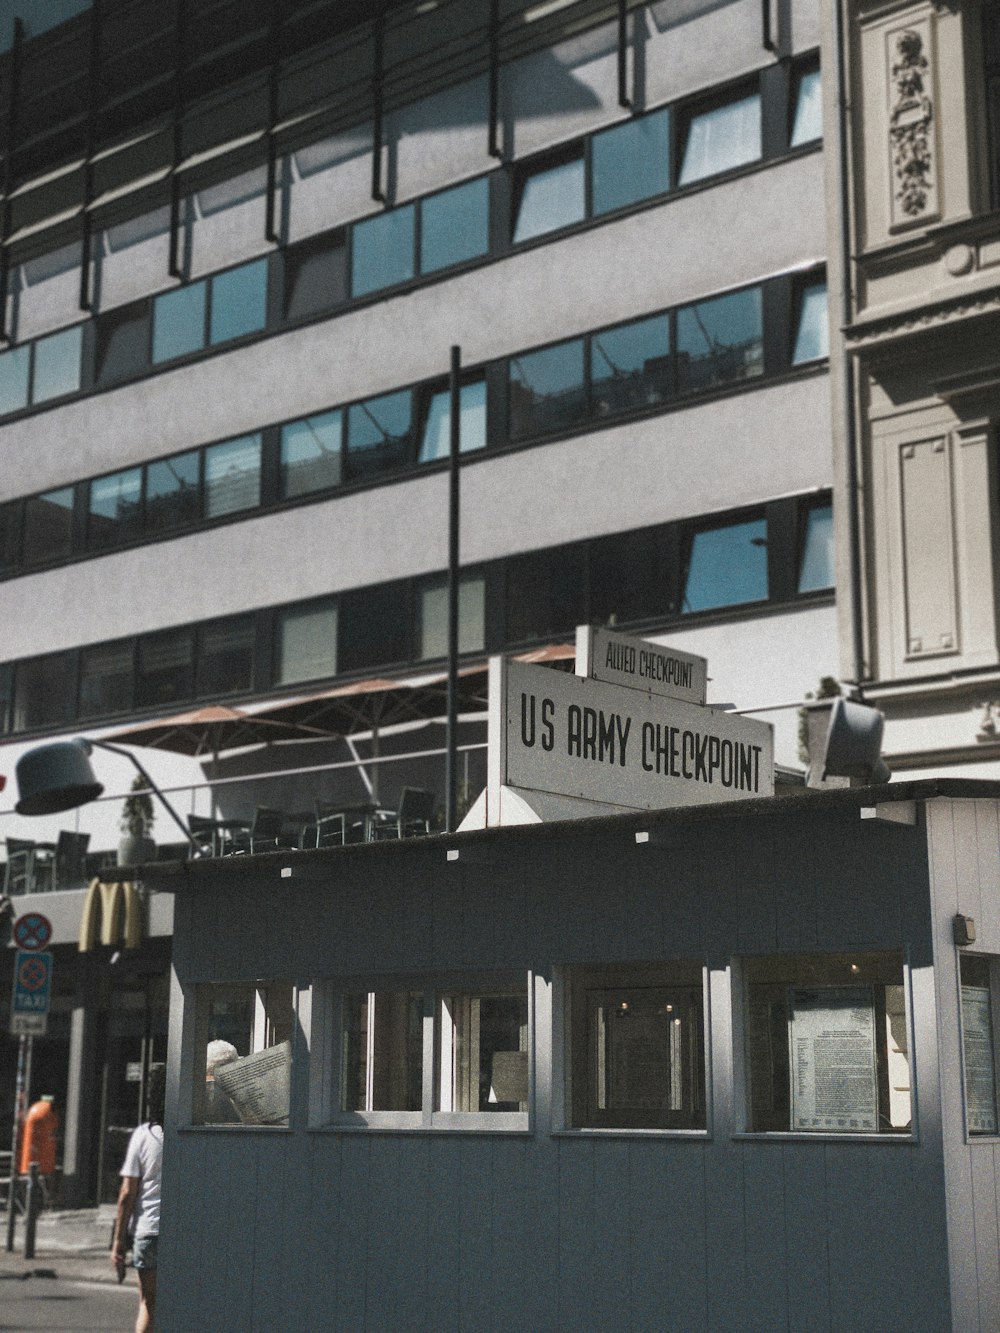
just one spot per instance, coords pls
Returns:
(330, 825)
(413, 816)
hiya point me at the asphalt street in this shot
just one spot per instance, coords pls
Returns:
(65, 1304)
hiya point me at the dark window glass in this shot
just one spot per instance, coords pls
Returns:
(991, 45)
(225, 656)
(48, 526)
(435, 438)
(179, 322)
(378, 434)
(115, 511)
(307, 642)
(57, 364)
(382, 251)
(720, 138)
(311, 454)
(239, 302)
(807, 123)
(44, 691)
(10, 537)
(720, 341)
(173, 496)
(6, 696)
(816, 563)
(106, 679)
(375, 627)
(165, 668)
(631, 162)
(122, 343)
(232, 476)
(812, 332)
(548, 197)
(454, 225)
(630, 366)
(629, 577)
(432, 616)
(727, 566)
(546, 593)
(14, 378)
(315, 276)
(547, 390)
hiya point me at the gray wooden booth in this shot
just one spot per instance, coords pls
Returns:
(724, 1068)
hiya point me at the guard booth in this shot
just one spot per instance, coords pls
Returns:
(720, 1067)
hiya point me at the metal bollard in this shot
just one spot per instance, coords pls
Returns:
(33, 1206)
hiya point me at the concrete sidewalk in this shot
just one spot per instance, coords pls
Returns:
(68, 1244)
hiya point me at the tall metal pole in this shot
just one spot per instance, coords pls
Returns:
(455, 445)
(20, 1099)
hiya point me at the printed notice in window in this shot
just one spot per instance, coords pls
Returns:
(832, 1056)
(980, 1079)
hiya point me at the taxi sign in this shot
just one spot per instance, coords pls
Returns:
(29, 1005)
(32, 931)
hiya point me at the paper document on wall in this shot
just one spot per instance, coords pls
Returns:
(258, 1085)
(980, 1081)
(832, 1059)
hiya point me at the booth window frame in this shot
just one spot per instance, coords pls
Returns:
(970, 962)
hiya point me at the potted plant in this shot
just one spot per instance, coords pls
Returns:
(136, 822)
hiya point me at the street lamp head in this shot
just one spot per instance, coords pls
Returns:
(56, 777)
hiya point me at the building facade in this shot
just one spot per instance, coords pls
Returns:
(239, 241)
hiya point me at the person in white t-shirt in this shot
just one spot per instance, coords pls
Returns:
(139, 1202)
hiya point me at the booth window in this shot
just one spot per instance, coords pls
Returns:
(979, 989)
(451, 1057)
(827, 1044)
(243, 1053)
(636, 1047)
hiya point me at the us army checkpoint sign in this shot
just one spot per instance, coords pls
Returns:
(622, 659)
(584, 738)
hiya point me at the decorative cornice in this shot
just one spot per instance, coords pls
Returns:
(923, 320)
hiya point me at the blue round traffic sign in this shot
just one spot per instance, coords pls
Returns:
(32, 931)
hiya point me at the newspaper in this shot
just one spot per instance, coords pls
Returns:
(258, 1085)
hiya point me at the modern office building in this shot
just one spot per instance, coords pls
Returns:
(237, 244)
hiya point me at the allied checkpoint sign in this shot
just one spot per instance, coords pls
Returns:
(622, 659)
(29, 1005)
(614, 745)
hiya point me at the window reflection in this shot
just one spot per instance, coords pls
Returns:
(225, 656)
(48, 525)
(311, 454)
(106, 679)
(115, 513)
(232, 476)
(165, 667)
(631, 162)
(44, 689)
(727, 566)
(436, 439)
(307, 642)
(721, 138)
(812, 337)
(10, 537)
(179, 322)
(239, 302)
(315, 276)
(14, 378)
(720, 341)
(630, 366)
(433, 613)
(816, 567)
(57, 364)
(454, 226)
(173, 492)
(547, 390)
(378, 434)
(550, 197)
(808, 122)
(382, 251)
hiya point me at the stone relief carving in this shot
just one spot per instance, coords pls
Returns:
(910, 120)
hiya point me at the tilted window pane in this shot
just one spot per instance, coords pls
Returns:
(311, 454)
(454, 226)
(382, 251)
(165, 668)
(179, 322)
(115, 513)
(307, 643)
(173, 492)
(244, 1073)
(379, 434)
(232, 476)
(721, 138)
(547, 390)
(436, 439)
(720, 341)
(106, 679)
(225, 656)
(315, 276)
(44, 689)
(812, 338)
(14, 378)
(433, 611)
(48, 526)
(808, 123)
(631, 162)
(122, 343)
(816, 570)
(57, 364)
(10, 537)
(382, 1055)
(728, 566)
(549, 198)
(239, 302)
(483, 1040)
(630, 366)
